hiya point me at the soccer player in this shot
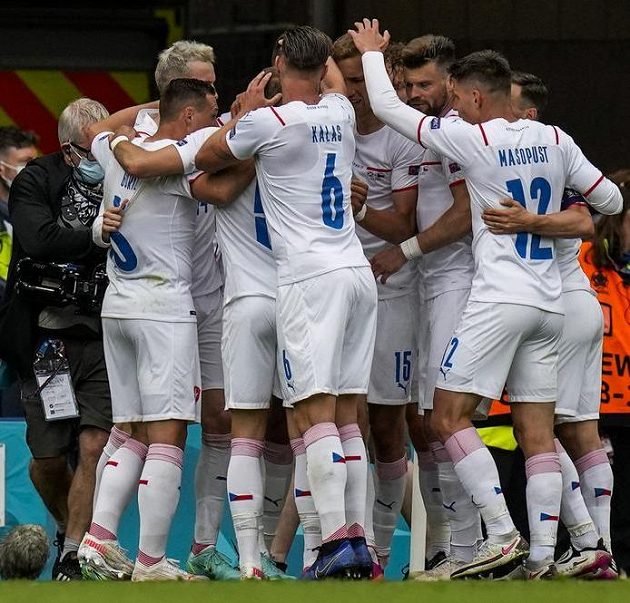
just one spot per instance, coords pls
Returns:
(189, 59)
(326, 298)
(579, 364)
(147, 311)
(388, 163)
(443, 217)
(510, 329)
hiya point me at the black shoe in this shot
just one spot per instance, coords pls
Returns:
(67, 569)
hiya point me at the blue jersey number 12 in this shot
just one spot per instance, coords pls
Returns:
(539, 190)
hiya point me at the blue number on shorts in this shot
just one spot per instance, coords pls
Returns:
(287, 366)
(260, 222)
(403, 368)
(332, 195)
(539, 190)
(121, 251)
(448, 353)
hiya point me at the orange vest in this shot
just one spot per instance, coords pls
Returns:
(614, 298)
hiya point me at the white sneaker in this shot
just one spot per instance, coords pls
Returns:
(522, 572)
(441, 571)
(585, 563)
(166, 569)
(252, 573)
(103, 560)
(493, 560)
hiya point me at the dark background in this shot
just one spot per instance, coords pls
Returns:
(581, 48)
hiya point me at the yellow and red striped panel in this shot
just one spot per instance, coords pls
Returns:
(33, 99)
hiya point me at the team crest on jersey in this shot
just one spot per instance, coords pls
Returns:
(182, 142)
(414, 170)
(435, 123)
(454, 167)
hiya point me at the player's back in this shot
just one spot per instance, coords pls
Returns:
(304, 165)
(523, 160)
(150, 261)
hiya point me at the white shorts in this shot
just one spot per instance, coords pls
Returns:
(497, 345)
(580, 359)
(443, 313)
(209, 310)
(153, 370)
(250, 352)
(395, 351)
(326, 331)
(420, 374)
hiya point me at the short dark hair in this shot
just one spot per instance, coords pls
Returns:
(181, 92)
(273, 86)
(428, 49)
(12, 137)
(533, 89)
(305, 48)
(488, 67)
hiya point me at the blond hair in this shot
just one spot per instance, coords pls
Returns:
(173, 61)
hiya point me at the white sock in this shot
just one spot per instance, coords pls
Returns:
(573, 511)
(116, 439)
(278, 460)
(369, 510)
(463, 516)
(245, 493)
(390, 491)
(596, 478)
(305, 505)
(478, 473)
(119, 481)
(356, 482)
(438, 528)
(158, 496)
(210, 488)
(544, 494)
(326, 469)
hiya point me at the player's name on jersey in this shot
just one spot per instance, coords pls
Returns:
(522, 156)
(326, 133)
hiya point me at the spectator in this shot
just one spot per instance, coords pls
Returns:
(23, 553)
(606, 261)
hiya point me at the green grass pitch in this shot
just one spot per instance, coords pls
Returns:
(561, 591)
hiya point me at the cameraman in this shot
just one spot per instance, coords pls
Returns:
(53, 202)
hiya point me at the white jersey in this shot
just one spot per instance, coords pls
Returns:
(568, 250)
(149, 264)
(451, 267)
(207, 271)
(304, 167)
(529, 161)
(388, 163)
(242, 234)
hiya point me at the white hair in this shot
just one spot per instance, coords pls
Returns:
(77, 116)
(173, 62)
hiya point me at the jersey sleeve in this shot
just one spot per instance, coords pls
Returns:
(97, 227)
(253, 131)
(600, 193)
(344, 104)
(453, 172)
(406, 158)
(188, 147)
(100, 148)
